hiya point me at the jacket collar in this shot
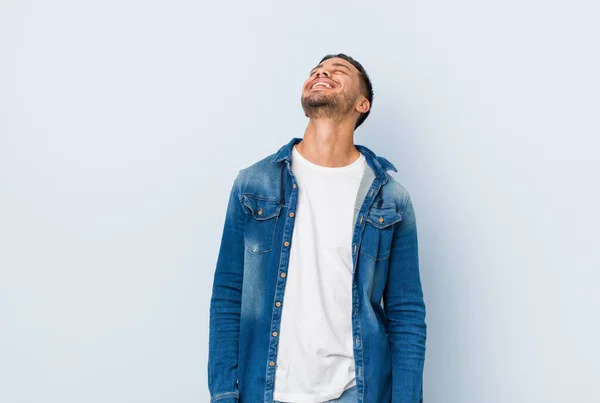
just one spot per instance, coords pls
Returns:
(379, 164)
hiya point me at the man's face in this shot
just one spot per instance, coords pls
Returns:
(331, 90)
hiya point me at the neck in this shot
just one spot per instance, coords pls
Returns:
(329, 143)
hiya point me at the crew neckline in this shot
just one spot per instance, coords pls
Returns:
(353, 165)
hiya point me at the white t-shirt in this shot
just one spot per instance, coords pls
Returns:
(315, 360)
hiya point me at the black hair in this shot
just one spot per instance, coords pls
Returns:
(365, 83)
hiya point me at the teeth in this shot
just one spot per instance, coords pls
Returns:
(321, 83)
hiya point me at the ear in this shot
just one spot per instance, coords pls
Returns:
(363, 106)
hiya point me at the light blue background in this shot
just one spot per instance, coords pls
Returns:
(123, 124)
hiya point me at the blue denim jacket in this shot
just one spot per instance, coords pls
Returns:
(250, 276)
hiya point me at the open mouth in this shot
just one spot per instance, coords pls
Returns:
(321, 85)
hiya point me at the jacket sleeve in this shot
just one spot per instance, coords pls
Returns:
(225, 304)
(405, 309)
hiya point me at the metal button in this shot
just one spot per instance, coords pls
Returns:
(260, 211)
(286, 243)
(380, 219)
(291, 214)
(271, 363)
(295, 186)
(275, 334)
(282, 274)
(277, 303)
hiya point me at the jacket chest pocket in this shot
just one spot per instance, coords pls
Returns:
(379, 231)
(259, 228)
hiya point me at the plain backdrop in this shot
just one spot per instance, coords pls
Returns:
(123, 124)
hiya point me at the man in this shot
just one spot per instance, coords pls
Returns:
(316, 237)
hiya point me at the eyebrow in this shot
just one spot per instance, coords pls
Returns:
(333, 64)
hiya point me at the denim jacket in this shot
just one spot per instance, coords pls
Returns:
(388, 311)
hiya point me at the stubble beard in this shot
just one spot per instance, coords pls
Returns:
(327, 106)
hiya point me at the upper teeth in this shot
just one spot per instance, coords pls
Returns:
(322, 84)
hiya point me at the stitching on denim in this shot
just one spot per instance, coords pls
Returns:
(374, 224)
(259, 197)
(224, 396)
(237, 187)
(376, 259)
(406, 199)
(362, 355)
(266, 218)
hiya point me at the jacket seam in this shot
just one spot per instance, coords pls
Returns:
(406, 199)
(224, 395)
(237, 187)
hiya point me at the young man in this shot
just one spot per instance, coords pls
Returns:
(317, 293)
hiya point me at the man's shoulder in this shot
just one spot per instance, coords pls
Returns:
(394, 188)
(396, 191)
(394, 185)
(263, 166)
(261, 177)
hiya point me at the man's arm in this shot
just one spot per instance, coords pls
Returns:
(405, 309)
(225, 305)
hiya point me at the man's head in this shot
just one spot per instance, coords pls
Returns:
(338, 87)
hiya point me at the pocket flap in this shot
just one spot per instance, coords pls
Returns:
(383, 217)
(262, 209)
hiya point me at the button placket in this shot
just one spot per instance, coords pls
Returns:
(361, 223)
(274, 333)
(287, 243)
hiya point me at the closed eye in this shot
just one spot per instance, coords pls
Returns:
(335, 71)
